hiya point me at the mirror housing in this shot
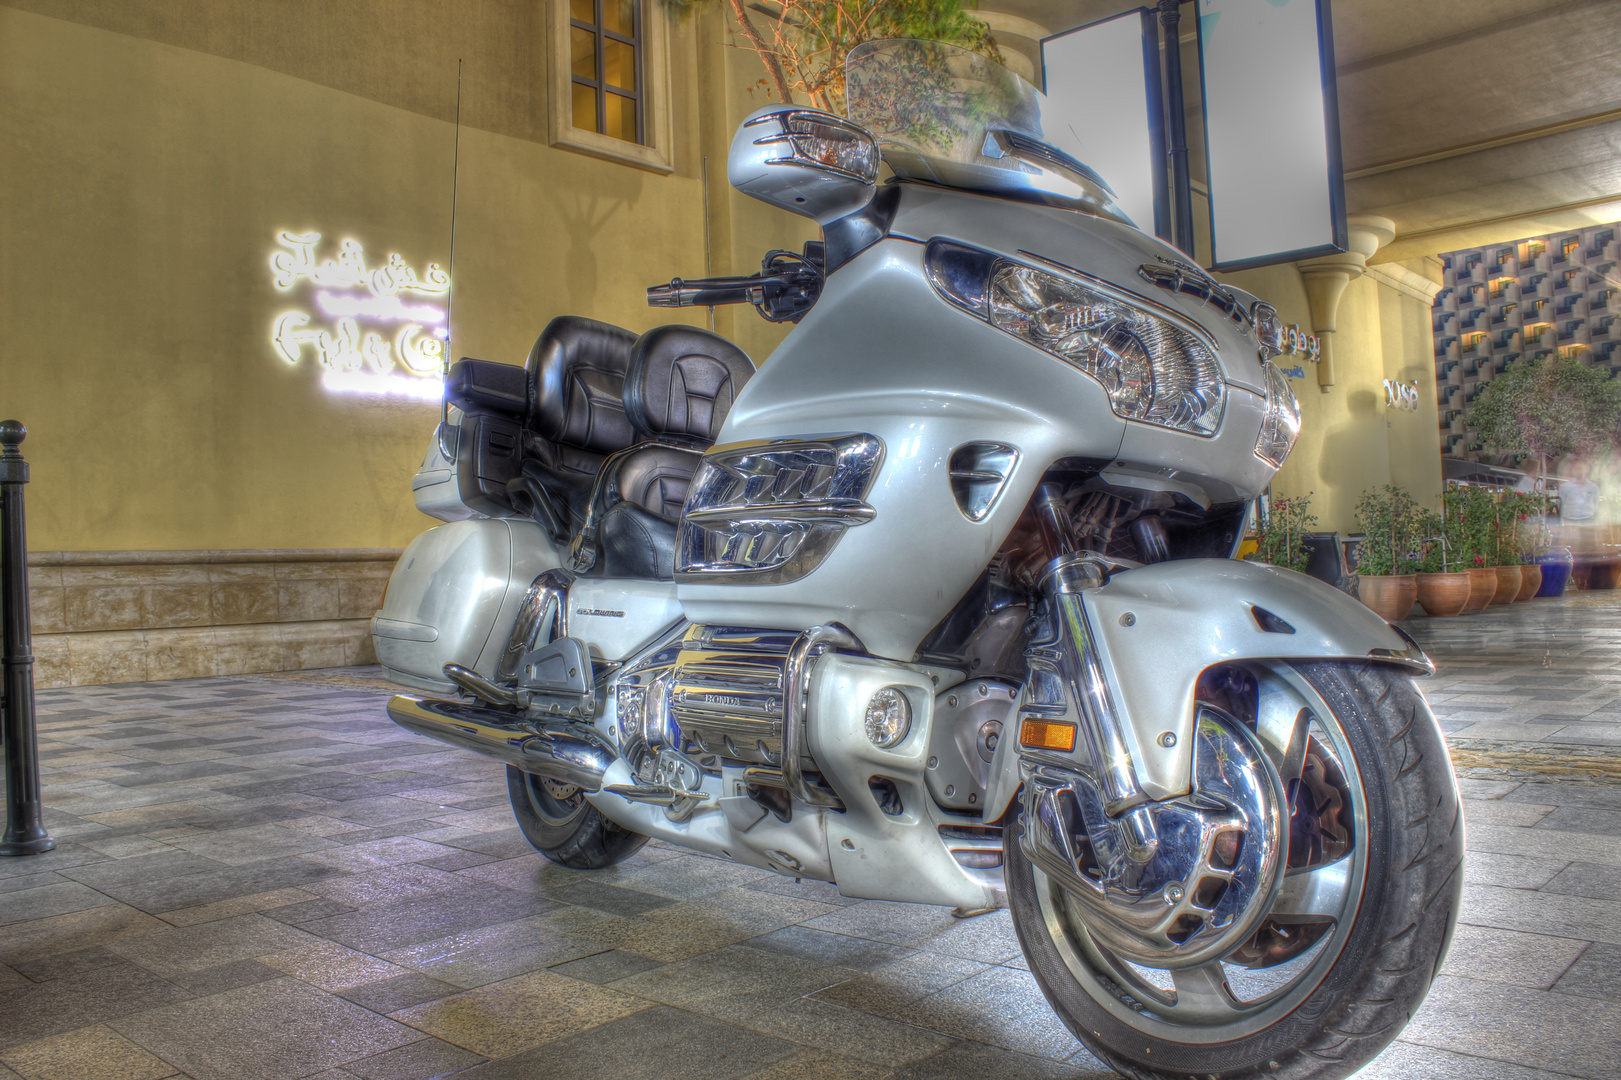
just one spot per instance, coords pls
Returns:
(804, 161)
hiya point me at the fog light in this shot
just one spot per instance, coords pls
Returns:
(889, 717)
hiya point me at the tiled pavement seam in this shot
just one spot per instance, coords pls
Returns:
(265, 878)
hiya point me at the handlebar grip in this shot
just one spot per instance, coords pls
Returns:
(704, 292)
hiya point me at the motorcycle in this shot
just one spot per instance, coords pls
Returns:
(940, 604)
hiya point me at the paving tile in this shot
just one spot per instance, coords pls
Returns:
(428, 1059)
(78, 930)
(659, 1042)
(331, 966)
(1520, 1025)
(976, 1061)
(270, 1030)
(107, 991)
(609, 898)
(89, 1053)
(256, 843)
(312, 910)
(239, 905)
(1583, 819)
(110, 875)
(733, 983)
(1508, 956)
(1578, 917)
(1596, 975)
(377, 854)
(506, 1018)
(849, 1033)
(885, 989)
(384, 886)
(999, 1006)
(860, 954)
(26, 905)
(1498, 812)
(808, 1063)
(1545, 844)
(380, 927)
(400, 992)
(192, 948)
(604, 967)
(823, 892)
(1405, 1061)
(1586, 879)
(986, 938)
(221, 977)
(1509, 871)
(491, 953)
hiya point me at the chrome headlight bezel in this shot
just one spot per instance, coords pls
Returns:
(1155, 367)
(1280, 427)
(1268, 329)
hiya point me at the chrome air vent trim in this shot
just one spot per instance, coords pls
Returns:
(769, 511)
(979, 473)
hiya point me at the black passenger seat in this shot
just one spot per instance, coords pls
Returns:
(679, 389)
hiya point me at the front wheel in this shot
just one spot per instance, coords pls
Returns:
(1361, 922)
(555, 817)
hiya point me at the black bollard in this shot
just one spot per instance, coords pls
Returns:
(25, 829)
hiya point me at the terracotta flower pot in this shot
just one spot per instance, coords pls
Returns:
(1508, 584)
(1390, 596)
(1530, 580)
(1444, 595)
(1482, 584)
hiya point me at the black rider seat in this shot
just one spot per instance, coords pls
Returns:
(679, 388)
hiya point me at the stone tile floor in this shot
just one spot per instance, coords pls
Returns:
(263, 877)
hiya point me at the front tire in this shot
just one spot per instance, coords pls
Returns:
(564, 827)
(1376, 942)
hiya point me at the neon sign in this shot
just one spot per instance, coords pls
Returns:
(378, 339)
(1400, 395)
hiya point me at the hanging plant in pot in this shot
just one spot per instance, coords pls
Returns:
(1280, 533)
(1443, 582)
(1385, 564)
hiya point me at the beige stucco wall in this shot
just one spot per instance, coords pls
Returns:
(1350, 442)
(154, 151)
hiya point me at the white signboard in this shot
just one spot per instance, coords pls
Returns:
(1102, 83)
(1271, 131)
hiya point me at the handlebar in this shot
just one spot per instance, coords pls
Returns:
(784, 289)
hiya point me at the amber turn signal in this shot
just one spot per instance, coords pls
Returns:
(1046, 735)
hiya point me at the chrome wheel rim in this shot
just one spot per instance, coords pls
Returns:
(1222, 1000)
(556, 804)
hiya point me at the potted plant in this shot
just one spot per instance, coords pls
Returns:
(1504, 547)
(1466, 510)
(1528, 528)
(1443, 583)
(1385, 565)
(1280, 533)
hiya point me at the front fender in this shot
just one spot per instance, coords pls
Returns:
(1159, 627)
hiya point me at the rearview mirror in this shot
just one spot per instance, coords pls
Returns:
(805, 161)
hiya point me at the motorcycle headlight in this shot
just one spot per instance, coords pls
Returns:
(1268, 328)
(1154, 371)
(1282, 422)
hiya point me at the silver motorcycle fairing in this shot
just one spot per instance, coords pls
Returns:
(1157, 628)
(883, 354)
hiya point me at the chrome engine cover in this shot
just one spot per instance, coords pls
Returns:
(726, 693)
(1214, 875)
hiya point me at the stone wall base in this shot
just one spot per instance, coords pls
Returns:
(136, 616)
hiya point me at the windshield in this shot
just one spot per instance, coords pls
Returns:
(953, 117)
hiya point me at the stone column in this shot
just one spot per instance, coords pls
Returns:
(1327, 277)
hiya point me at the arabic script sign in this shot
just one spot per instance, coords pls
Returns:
(384, 327)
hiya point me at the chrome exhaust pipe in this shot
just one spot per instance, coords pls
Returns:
(568, 753)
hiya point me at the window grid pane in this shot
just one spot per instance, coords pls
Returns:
(605, 51)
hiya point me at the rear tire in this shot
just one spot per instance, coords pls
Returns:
(564, 827)
(1345, 1007)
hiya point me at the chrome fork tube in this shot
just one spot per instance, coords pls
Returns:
(1103, 731)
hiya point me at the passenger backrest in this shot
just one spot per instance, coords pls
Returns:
(577, 384)
(681, 384)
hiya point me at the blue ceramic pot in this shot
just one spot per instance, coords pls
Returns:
(1556, 563)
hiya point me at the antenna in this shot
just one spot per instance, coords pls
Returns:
(709, 270)
(450, 301)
